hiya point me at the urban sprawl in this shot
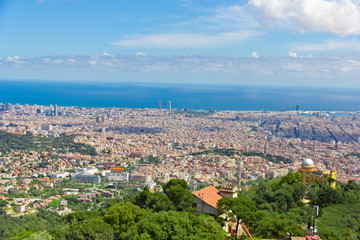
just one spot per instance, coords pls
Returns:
(114, 151)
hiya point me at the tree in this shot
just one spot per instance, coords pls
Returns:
(159, 202)
(174, 182)
(299, 191)
(177, 226)
(54, 203)
(91, 229)
(142, 197)
(273, 226)
(326, 196)
(81, 216)
(3, 203)
(291, 177)
(239, 208)
(123, 215)
(178, 193)
(43, 235)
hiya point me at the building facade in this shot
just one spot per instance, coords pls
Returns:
(310, 174)
(206, 199)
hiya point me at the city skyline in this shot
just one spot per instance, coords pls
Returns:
(255, 42)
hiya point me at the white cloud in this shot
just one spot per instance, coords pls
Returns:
(57, 61)
(292, 54)
(341, 17)
(328, 45)
(106, 54)
(186, 40)
(308, 56)
(229, 17)
(140, 54)
(254, 54)
(215, 27)
(315, 70)
(15, 59)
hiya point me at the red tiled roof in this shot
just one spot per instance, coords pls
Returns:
(209, 195)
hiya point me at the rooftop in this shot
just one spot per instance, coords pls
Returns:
(209, 195)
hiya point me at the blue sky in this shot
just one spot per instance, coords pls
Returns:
(255, 42)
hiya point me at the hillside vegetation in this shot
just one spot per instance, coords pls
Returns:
(29, 142)
(272, 209)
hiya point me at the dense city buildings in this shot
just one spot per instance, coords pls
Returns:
(150, 147)
(166, 142)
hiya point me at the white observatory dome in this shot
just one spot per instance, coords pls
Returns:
(308, 163)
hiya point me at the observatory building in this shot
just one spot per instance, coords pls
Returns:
(310, 174)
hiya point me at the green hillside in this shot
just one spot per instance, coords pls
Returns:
(271, 210)
(30, 142)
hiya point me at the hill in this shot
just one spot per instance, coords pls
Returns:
(29, 142)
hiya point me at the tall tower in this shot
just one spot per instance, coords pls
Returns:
(169, 105)
(7, 106)
(241, 165)
(55, 110)
(160, 105)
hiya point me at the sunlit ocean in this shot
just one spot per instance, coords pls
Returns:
(196, 97)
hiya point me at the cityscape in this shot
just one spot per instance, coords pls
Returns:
(180, 120)
(129, 137)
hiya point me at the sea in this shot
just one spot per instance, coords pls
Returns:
(182, 96)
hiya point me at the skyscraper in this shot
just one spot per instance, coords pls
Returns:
(55, 110)
(297, 107)
(7, 106)
(169, 105)
(160, 105)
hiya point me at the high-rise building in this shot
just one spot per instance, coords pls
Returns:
(169, 105)
(7, 106)
(160, 105)
(240, 168)
(55, 110)
(50, 111)
(297, 107)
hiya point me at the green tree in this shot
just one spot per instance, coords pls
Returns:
(176, 226)
(177, 191)
(291, 177)
(3, 203)
(123, 215)
(174, 182)
(43, 235)
(142, 198)
(159, 202)
(81, 216)
(91, 229)
(239, 209)
(326, 196)
(274, 226)
(54, 203)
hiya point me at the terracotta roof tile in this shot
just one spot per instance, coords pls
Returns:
(209, 195)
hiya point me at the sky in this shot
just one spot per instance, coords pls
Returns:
(312, 43)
